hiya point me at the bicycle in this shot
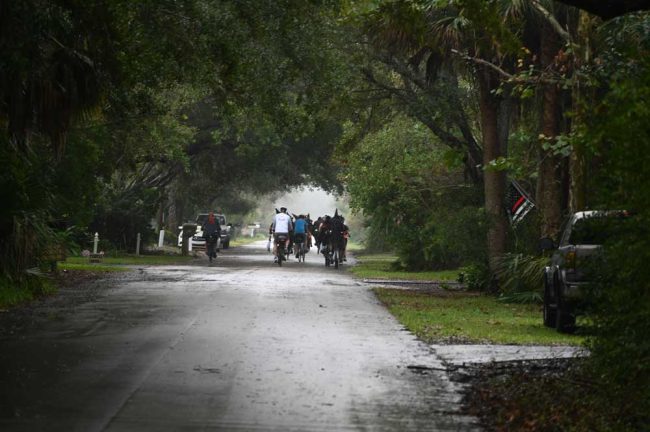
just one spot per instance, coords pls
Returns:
(301, 252)
(280, 254)
(300, 245)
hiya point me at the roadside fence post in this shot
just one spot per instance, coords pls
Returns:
(95, 242)
(161, 238)
(137, 245)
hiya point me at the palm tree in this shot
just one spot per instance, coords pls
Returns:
(472, 32)
(434, 37)
(485, 36)
(44, 84)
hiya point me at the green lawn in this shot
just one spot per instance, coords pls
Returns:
(93, 267)
(378, 266)
(244, 240)
(354, 246)
(14, 293)
(472, 319)
(130, 260)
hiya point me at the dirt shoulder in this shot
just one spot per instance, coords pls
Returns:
(74, 289)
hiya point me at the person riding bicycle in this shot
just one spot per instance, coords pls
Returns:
(346, 237)
(323, 232)
(281, 226)
(211, 232)
(299, 232)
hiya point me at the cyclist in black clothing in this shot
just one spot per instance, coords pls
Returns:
(211, 232)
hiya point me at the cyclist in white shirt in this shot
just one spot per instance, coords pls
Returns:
(281, 225)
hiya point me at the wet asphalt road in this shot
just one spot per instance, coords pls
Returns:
(238, 345)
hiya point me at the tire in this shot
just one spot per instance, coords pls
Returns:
(327, 261)
(549, 313)
(565, 321)
(336, 259)
(280, 255)
(226, 245)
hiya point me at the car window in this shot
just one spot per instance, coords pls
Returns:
(594, 230)
(200, 219)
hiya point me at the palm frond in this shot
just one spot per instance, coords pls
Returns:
(520, 273)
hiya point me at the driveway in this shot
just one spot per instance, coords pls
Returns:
(238, 345)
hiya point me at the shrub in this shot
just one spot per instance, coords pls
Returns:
(520, 277)
(620, 298)
(15, 291)
(476, 277)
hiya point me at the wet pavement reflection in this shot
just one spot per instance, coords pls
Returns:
(240, 344)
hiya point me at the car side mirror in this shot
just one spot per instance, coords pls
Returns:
(546, 244)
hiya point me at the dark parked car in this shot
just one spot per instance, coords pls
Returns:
(565, 278)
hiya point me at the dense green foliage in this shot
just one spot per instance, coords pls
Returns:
(620, 133)
(413, 192)
(574, 93)
(117, 113)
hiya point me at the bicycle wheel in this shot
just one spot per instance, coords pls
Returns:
(336, 259)
(280, 255)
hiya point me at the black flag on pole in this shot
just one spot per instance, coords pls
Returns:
(518, 203)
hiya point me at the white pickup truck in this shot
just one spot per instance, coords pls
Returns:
(198, 241)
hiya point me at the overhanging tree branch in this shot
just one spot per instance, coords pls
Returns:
(410, 99)
(553, 22)
(515, 79)
(608, 9)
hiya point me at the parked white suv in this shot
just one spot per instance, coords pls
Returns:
(198, 241)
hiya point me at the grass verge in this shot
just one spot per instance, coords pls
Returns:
(92, 267)
(129, 260)
(355, 247)
(379, 266)
(13, 293)
(241, 241)
(470, 319)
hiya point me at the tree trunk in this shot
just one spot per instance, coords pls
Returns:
(577, 163)
(494, 181)
(550, 175)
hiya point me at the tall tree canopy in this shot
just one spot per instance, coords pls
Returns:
(148, 105)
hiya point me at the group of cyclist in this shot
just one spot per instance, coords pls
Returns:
(300, 230)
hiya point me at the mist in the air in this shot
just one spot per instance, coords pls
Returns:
(315, 202)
